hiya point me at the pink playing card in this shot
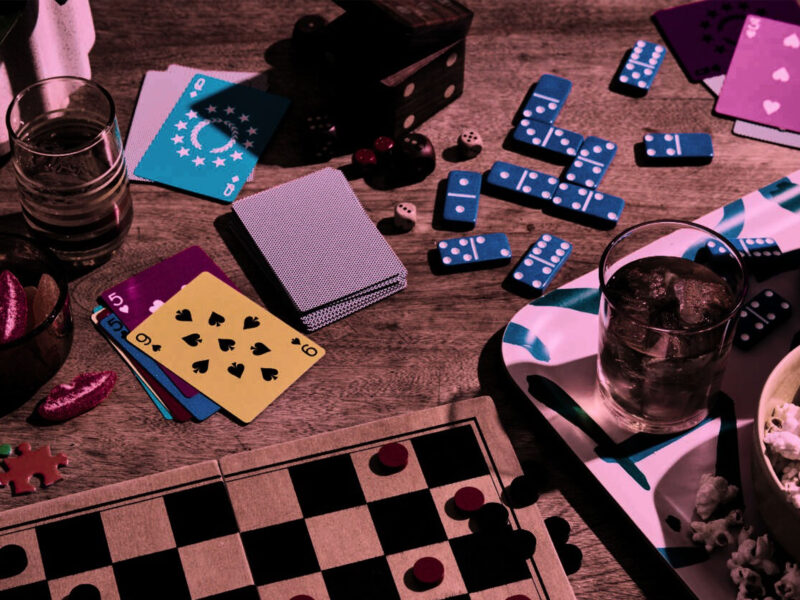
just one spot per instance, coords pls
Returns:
(763, 80)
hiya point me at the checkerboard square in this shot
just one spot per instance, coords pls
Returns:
(263, 500)
(137, 529)
(102, 579)
(407, 521)
(215, 566)
(200, 513)
(525, 588)
(484, 562)
(327, 530)
(279, 552)
(32, 591)
(455, 523)
(366, 579)
(402, 564)
(32, 569)
(157, 575)
(246, 593)
(449, 456)
(326, 485)
(73, 545)
(311, 585)
(378, 484)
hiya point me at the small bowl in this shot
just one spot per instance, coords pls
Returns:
(779, 514)
(30, 360)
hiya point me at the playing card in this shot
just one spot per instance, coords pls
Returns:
(702, 35)
(139, 296)
(158, 94)
(226, 346)
(766, 134)
(763, 81)
(197, 405)
(212, 138)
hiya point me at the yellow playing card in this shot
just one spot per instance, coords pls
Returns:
(226, 346)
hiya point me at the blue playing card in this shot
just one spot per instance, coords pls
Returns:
(212, 138)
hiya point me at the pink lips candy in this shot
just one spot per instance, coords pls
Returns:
(83, 393)
(13, 308)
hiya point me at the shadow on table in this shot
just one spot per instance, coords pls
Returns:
(550, 461)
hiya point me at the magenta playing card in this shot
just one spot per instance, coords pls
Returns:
(763, 81)
(139, 296)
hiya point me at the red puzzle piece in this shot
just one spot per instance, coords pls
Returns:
(29, 463)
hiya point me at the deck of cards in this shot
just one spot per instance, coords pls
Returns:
(321, 247)
(197, 344)
(201, 132)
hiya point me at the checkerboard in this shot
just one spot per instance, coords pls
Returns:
(319, 517)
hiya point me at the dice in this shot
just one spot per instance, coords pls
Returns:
(414, 159)
(320, 139)
(469, 144)
(405, 216)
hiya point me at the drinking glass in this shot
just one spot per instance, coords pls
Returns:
(68, 160)
(668, 315)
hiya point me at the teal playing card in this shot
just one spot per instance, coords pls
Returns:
(212, 138)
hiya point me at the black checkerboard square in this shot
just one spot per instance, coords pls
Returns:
(366, 579)
(485, 562)
(246, 593)
(449, 456)
(33, 591)
(200, 514)
(73, 545)
(157, 575)
(407, 521)
(279, 552)
(326, 485)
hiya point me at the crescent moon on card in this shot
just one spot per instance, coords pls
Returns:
(232, 129)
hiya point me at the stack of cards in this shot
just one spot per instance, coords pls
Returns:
(321, 246)
(201, 131)
(197, 344)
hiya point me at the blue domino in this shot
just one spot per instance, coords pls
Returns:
(547, 98)
(641, 65)
(678, 145)
(543, 135)
(461, 199)
(755, 247)
(474, 249)
(541, 263)
(518, 180)
(591, 203)
(592, 162)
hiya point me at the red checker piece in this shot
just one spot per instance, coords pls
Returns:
(383, 145)
(364, 158)
(468, 499)
(393, 456)
(429, 570)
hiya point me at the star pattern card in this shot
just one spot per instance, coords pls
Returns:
(763, 81)
(226, 346)
(212, 138)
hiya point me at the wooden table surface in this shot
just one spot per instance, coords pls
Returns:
(439, 340)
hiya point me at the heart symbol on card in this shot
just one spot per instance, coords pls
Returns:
(296, 341)
(124, 309)
(781, 74)
(154, 306)
(215, 320)
(269, 374)
(236, 369)
(792, 41)
(770, 106)
(183, 315)
(226, 344)
(258, 349)
(192, 339)
(201, 366)
(251, 322)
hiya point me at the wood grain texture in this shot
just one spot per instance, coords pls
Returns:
(439, 340)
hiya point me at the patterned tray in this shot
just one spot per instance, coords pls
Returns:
(550, 351)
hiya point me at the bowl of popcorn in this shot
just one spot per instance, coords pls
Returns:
(776, 455)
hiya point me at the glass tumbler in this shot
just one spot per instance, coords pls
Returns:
(68, 160)
(668, 315)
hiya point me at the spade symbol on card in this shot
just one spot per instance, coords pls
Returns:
(269, 374)
(226, 344)
(183, 315)
(251, 322)
(192, 339)
(156, 347)
(201, 366)
(236, 369)
(296, 341)
(215, 320)
(258, 349)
